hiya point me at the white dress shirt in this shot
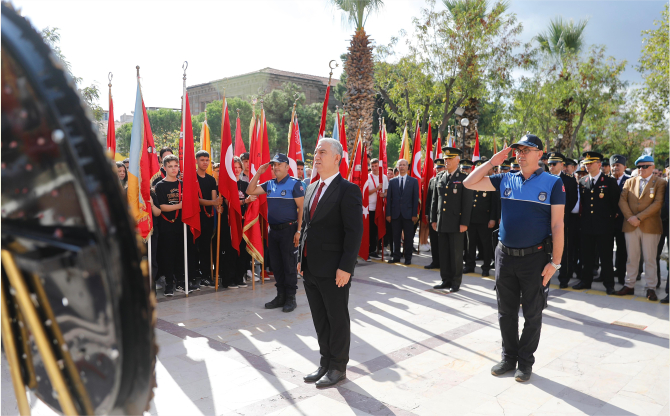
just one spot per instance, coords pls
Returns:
(373, 181)
(327, 182)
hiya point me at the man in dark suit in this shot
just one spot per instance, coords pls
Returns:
(331, 233)
(402, 210)
(483, 219)
(450, 217)
(599, 198)
(434, 244)
(618, 165)
(556, 164)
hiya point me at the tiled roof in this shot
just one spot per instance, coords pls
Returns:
(275, 72)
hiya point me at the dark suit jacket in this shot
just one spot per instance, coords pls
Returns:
(333, 236)
(618, 221)
(452, 202)
(597, 214)
(485, 207)
(571, 189)
(429, 198)
(406, 205)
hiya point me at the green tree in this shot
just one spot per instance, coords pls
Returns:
(654, 65)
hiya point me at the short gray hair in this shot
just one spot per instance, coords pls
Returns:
(335, 145)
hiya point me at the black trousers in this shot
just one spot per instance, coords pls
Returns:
(171, 255)
(592, 247)
(388, 238)
(621, 256)
(374, 242)
(574, 247)
(434, 245)
(329, 305)
(520, 277)
(241, 263)
(282, 256)
(661, 243)
(570, 240)
(451, 258)
(479, 235)
(203, 244)
(399, 225)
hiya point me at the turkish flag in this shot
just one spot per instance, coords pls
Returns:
(342, 133)
(364, 249)
(228, 180)
(265, 158)
(415, 169)
(111, 133)
(357, 170)
(322, 129)
(380, 214)
(294, 151)
(475, 154)
(239, 143)
(190, 202)
(427, 170)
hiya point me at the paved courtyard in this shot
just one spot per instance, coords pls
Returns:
(414, 351)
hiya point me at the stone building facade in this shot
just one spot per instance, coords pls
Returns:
(251, 83)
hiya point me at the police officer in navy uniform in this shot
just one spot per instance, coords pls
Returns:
(434, 243)
(531, 242)
(556, 162)
(599, 199)
(484, 218)
(285, 196)
(450, 217)
(505, 166)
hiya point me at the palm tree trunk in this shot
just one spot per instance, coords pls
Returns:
(360, 95)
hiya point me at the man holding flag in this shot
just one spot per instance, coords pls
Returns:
(375, 190)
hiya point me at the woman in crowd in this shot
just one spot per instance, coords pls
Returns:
(123, 174)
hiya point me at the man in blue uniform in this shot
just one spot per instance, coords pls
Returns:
(618, 164)
(532, 203)
(285, 201)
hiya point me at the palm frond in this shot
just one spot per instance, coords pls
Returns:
(358, 11)
(562, 37)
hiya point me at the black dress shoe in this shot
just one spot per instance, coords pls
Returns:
(665, 299)
(332, 377)
(431, 266)
(581, 285)
(468, 270)
(374, 255)
(442, 285)
(485, 273)
(393, 261)
(407, 262)
(454, 290)
(315, 376)
(610, 290)
(563, 285)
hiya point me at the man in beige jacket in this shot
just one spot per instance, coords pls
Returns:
(640, 203)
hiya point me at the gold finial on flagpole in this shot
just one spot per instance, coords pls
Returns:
(138, 71)
(330, 76)
(184, 67)
(238, 112)
(109, 77)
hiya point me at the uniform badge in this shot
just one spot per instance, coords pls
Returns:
(651, 192)
(283, 193)
(484, 194)
(542, 197)
(508, 192)
(302, 189)
(601, 196)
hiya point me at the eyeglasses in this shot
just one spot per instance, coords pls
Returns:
(644, 166)
(524, 151)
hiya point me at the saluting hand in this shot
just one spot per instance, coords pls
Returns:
(262, 168)
(500, 157)
(342, 278)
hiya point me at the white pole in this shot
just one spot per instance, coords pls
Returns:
(185, 262)
(149, 250)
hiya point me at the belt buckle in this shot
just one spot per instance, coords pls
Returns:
(515, 252)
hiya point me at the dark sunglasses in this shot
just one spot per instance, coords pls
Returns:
(644, 166)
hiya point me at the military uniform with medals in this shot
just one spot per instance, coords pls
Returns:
(451, 207)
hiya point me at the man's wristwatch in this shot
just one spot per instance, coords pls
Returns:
(556, 266)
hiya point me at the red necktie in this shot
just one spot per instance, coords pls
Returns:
(312, 208)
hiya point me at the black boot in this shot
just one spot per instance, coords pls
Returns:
(290, 304)
(277, 302)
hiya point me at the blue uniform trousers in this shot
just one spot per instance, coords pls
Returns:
(282, 257)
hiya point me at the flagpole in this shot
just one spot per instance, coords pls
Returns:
(150, 268)
(109, 149)
(218, 245)
(380, 195)
(183, 147)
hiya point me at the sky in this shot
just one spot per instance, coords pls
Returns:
(230, 37)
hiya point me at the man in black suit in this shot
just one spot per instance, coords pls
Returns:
(331, 233)
(484, 217)
(556, 163)
(450, 217)
(618, 165)
(402, 210)
(599, 198)
(434, 244)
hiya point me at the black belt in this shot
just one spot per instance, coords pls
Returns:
(520, 252)
(278, 227)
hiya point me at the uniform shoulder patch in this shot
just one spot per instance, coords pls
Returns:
(542, 196)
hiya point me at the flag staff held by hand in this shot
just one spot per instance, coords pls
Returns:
(181, 156)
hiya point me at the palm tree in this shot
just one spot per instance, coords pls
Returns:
(561, 41)
(359, 66)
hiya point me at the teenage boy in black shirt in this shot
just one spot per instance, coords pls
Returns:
(208, 201)
(171, 255)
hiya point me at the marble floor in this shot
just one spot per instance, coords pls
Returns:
(414, 351)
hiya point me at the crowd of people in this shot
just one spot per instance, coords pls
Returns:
(605, 204)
